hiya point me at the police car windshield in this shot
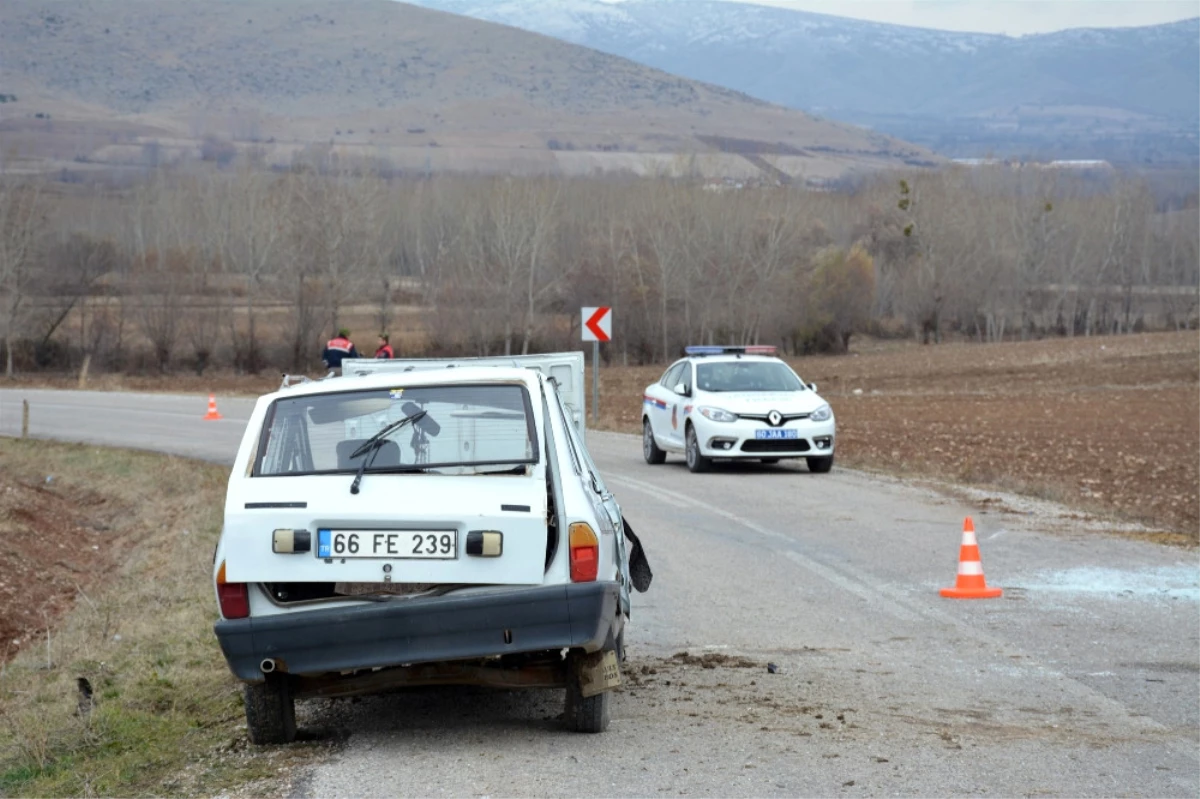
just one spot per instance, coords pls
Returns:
(464, 428)
(746, 376)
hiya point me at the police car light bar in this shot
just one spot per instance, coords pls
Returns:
(749, 349)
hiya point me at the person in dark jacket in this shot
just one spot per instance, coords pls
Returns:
(385, 349)
(339, 347)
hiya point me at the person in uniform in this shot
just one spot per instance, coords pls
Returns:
(338, 348)
(384, 350)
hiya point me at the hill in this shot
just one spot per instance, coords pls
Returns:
(147, 80)
(1129, 94)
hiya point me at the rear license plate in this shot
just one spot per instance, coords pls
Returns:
(776, 433)
(389, 544)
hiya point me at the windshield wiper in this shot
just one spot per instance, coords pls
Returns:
(522, 469)
(375, 443)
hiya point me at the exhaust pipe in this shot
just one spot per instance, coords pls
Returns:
(267, 666)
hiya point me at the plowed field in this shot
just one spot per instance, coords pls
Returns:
(1108, 425)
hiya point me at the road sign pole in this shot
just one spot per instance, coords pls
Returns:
(596, 382)
(597, 327)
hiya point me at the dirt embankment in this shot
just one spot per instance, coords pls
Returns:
(111, 683)
(58, 544)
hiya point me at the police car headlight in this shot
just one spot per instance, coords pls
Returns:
(718, 415)
(822, 414)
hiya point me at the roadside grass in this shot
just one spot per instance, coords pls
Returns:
(165, 716)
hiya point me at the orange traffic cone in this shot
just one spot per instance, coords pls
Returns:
(970, 583)
(212, 409)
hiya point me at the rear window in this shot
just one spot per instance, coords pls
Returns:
(464, 427)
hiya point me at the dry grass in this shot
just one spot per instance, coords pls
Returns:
(166, 717)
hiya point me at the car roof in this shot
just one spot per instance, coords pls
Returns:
(415, 378)
(732, 357)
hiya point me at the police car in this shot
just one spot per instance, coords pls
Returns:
(736, 403)
(415, 523)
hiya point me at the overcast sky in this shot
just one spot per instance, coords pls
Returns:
(1014, 17)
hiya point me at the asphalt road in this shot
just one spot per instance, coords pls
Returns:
(1083, 680)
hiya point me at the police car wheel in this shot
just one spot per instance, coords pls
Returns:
(650, 450)
(820, 465)
(695, 461)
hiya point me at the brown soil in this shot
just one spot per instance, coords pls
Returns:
(712, 660)
(58, 543)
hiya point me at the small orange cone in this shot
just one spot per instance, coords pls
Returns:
(970, 583)
(212, 409)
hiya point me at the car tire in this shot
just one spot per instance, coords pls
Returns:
(589, 714)
(820, 465)
(270, 710)
(650, 450)
(768, 461)
(695, 461)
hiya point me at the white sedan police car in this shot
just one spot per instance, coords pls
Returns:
(736, 403)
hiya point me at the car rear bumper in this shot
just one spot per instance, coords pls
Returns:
(428, 630)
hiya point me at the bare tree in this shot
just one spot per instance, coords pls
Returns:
(22, 228)
(246, 219)
(74, 266)
(669, 222)
(335, 229)
(522, 214)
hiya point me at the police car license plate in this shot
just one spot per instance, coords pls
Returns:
(390, 544)
(776, 433)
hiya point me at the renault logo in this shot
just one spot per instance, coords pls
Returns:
(774, 418)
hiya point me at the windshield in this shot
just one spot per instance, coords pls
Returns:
(747, 376)
(464, 429)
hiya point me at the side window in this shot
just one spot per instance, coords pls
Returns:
(578, 450)
(671, 378)
(685, 377)
(565, 418)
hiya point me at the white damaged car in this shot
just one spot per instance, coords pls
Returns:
(737, 403)
(423, 523)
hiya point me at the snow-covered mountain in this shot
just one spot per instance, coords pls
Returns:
(1112, 87)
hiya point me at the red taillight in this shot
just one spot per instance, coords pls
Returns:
(233, 598)
(585, 553)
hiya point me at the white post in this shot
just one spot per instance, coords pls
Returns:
(596, 382)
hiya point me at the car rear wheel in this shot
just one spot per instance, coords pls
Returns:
(695, 461)
(586, 713)
(650, 450)
(820, 465)
(270, 710)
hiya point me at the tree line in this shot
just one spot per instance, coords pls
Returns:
(250, 269)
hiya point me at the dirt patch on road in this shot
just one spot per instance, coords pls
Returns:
(712, 660)
(724, 688)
